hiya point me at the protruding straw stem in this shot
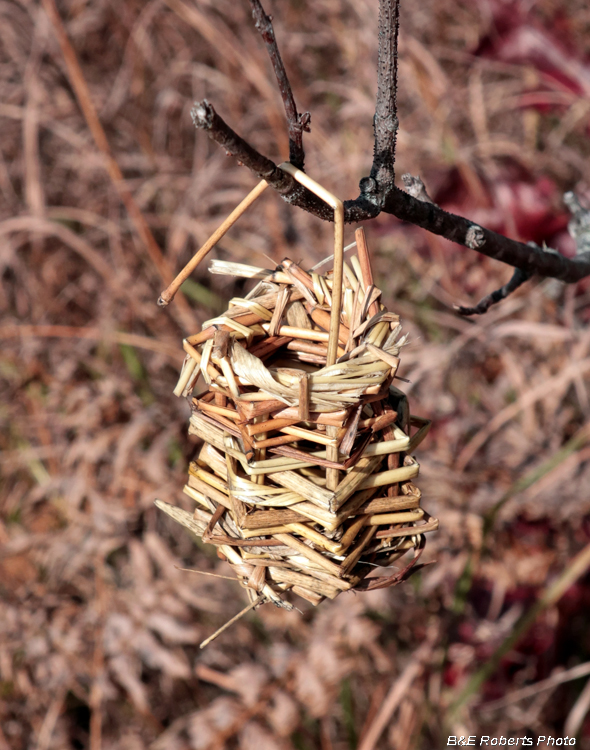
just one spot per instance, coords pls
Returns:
(338, 207)
(229, 623)
(168, 294)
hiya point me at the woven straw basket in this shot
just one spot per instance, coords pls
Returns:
(304, 482)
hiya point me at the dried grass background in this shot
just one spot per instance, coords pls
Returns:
(99, 630)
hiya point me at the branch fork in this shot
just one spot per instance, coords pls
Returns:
(378, 192)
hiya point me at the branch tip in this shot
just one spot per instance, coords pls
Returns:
(297, 123)
(518, 278)
(202, 115)
(378, 192)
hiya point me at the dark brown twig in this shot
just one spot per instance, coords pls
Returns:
(518, 278)
(529, 258)
(378, 192)
(207, 119)
(297, 122)
(385, 124)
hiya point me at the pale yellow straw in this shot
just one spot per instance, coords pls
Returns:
(168, 294)
(338, 207)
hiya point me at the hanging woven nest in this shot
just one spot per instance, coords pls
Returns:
(304, 482)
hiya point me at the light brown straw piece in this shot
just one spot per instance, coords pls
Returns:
(207, 534)
(311, 554)
(205, 573)
(314, 584)
(385, 356)
(270, 424)
(296, 315)
(381, 519)
(352, 531)
(221, 400)
(188, 369)
(351, 431)
(308, 595)
(304, 487)
(168, 294)
(208, 490)
(290, 452)
(192, 352)
(314, 536)
(303, 346)
(322, 318)
(356, 554)
(379, 423)
(265, 531)
(298, 273)
(274, 441)
(389, 504)
(304, 397)
(301, 333)
(312, 435)
(336, 418)
(224, 411)
(389, 477)
(282, 301)
(298, 284)
(246, 400)
(264, 519)
(332, 475)
(256, 409)
(353, 480)
(259, 599)
(408, 531)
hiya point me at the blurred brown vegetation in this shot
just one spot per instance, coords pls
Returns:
(99, 630)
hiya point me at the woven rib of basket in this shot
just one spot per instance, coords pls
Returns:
(305, 478)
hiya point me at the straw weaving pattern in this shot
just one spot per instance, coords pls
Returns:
(305, 480)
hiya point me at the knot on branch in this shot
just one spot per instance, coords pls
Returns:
(475, 238)
(386, 125)
(304, 121)
(368, 186)
(416, 188)
(370, 192)
(202, 115)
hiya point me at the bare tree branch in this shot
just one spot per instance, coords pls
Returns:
(297, 122)
(378, 192)
(207, 119)
(518, 278)
(386, 123)
(530, 258)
